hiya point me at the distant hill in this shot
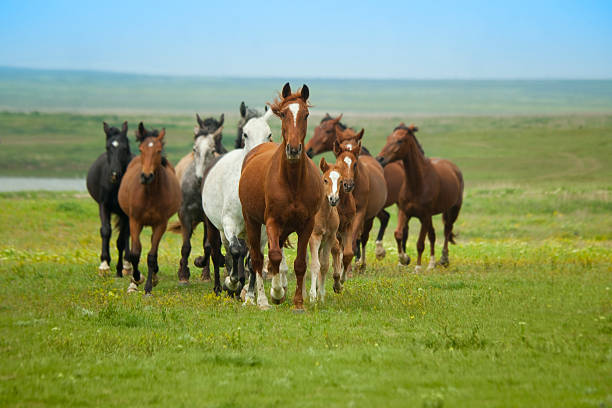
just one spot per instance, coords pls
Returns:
(89, 91)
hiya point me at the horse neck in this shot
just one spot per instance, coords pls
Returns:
(292, 172)
(415, 164)
(346, 200)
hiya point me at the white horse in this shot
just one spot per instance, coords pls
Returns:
(222, 206)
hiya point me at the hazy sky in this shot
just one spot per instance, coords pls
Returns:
(382, 39)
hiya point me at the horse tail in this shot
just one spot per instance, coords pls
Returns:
(175, 227)
(288, 244)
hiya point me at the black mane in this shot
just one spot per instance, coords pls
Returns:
(327, 117)
(411, 131)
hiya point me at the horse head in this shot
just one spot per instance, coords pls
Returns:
(204, 149)
(332, 179)
(151, 148)
(292, 109)
(256, 131)
(117, 150)
(246, 114)
(399, 144)
(324, 135)
(346, 162)
(211, 126)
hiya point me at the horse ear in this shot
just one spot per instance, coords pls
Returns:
(242, 109)
(413, 128)
(265, 108)
(357, 149)
(323, 165)
(268, 113)
(140, 132)
(305, 92)
(161, 135)
(199, 119)
(337, 120)
(124, 128)
(106, 127)
(286, 90)
(221, 119)
(196, 130)
(360, 134)
(337, 150)
(402, 124)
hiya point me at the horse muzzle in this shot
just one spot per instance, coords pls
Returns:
(349, 185)
(383, 162)
(115, 177)
(293, 153)
(310, 152)
(146, 178)
(333, 200)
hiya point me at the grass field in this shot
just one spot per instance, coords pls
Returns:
(522, 317)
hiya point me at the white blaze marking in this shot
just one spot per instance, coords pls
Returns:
(294, 108)
(150, 144)
(334, 176)
(348, 161)
(115, 143)
(349, 147)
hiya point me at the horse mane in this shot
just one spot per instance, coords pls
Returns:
(340, 124)
(277, 104)
(411, 129)
(364, 151)
(141, 137)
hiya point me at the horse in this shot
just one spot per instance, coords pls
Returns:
(204, 127)
(221, 203)
(280, 187)
(431, 186)
(103, 180)
(149, 194)
(322, 141)
(246, 114)
(191, 213)
(323, 240)
(370, 189)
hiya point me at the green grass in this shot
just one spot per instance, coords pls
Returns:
(522, 317)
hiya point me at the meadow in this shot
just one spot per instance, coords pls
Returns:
(522, 317)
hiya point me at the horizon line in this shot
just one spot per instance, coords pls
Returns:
(317, 78)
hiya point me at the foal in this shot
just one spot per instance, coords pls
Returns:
(149, 195)
(280, 187)
(323, 240)
(431, 186)
(103, 180)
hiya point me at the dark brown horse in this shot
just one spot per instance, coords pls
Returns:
(370, 189)
(431, 186)
(281, 188)
(149, 194)
(322, 141)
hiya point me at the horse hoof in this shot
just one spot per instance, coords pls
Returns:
(103, 269)
(155, 279)
(138, 282)
(183, 283)
(264, 307)
(338, 288)
(443, 262)
(148, 295)
(404, 259)
(199, 262)
(229, 285)
(418, 269)
(248, 301)
(132, 288)
(278, 301)
(380, 250)
(127, 269)
(205, 277)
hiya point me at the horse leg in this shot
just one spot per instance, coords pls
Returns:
(214, 237)
(355, 235)
(187, 231)
(299, 266)
(324, 253)
(153, 267)
(105, 233)
(401, 235)
(134, 255)
(124, 268)
(315, 266)
(449, 217)
(347, 254)
(367, 227)
(336, 251)
(421, 242)
(432, 245)
(383, 216)
(232, 281)
(253, 229)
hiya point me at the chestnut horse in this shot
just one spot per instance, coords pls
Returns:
(280, 187)
(370, 189)
(322, 141)
(149, 194)
(431, 186)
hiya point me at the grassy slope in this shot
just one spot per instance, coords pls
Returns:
(522, 317)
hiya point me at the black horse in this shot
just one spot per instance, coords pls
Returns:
(245, 115)
(103, 180)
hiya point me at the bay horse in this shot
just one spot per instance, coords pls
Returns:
(149, 194)
(221, 203)
(431, 186)
(323, 240)
(191, 213)
(370, 189)
(103, 180)
(246, 114)
(322, 141)
(346, 214)
(280, 188)
(204, 127)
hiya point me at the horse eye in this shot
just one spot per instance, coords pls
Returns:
(325, 180)
(245, 135)
(270, 136)
(400, 141)
(305, 116)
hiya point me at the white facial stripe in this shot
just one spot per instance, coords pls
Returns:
(334, 176)
(294, 108)
(348, 161)
(115, 143)
(150, 144)
(349, 147)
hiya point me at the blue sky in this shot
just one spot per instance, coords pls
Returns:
(384, 39)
